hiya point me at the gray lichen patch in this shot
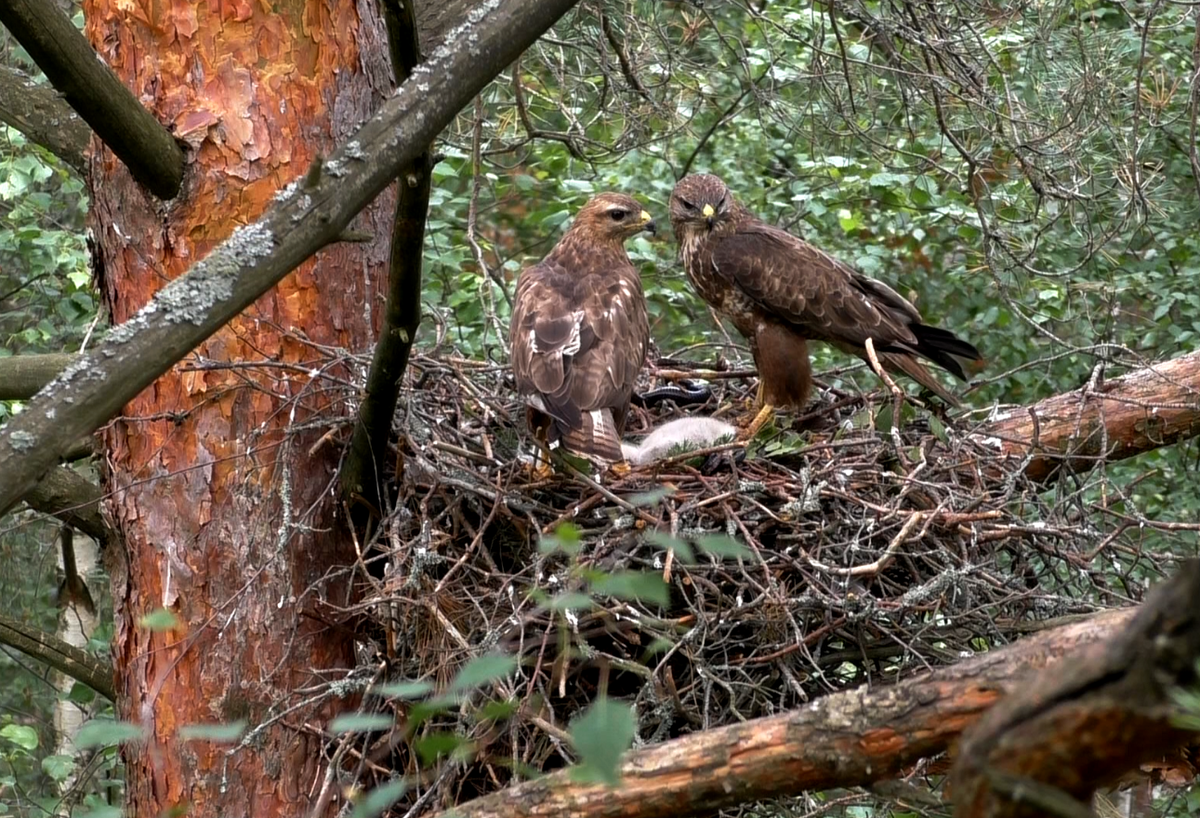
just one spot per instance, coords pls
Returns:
(67, 376)
(22, 441)
(285, 192)
(190, 297)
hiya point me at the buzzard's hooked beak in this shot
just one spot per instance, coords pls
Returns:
(708, 215)
(648, 224)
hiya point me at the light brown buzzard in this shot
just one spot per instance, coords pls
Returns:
(579, 331)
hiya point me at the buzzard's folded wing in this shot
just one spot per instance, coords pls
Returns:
(828, 300)
(578, 344)
(815, 292)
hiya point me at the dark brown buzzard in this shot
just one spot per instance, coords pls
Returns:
(579, 331)
(781, 292)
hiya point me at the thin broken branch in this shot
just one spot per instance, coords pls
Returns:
(90, 87)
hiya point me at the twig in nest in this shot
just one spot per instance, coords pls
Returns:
(670, 558)
(706, 374)
(871, 569)
(897, 392)
(622, 502)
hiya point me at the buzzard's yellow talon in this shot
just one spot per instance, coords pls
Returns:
(766, 414)
(621, 469)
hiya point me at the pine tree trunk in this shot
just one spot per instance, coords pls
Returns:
(226, 517)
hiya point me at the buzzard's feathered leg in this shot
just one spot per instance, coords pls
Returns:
(784, 373)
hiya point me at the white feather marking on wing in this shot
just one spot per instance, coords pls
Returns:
(573, 342)
(536, 402)
(533, 349)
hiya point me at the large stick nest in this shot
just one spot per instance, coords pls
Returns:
(869, 554)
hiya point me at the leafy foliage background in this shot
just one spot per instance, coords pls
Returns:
(1027, 171)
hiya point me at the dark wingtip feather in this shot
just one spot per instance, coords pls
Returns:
(945, 349)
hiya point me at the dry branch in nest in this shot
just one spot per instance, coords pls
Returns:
(870, 558)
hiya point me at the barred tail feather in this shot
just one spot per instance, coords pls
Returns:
(596, 438)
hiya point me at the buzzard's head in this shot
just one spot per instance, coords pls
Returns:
(612, 217)
(698, 203)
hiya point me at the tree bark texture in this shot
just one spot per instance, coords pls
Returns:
(75, 500)
(363, 472)
(36, 110)
(99, 98)
(1126, 416)
(846, 739)
(221, 508)
(306, 217)
(21, 376)
(1067, 734)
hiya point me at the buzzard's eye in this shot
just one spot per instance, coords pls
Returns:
(617, 214)
(687, 205)
(721, 204)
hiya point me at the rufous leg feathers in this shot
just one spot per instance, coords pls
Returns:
(784, 369)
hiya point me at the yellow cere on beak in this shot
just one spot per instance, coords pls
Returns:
(708, 211)
(645, 217)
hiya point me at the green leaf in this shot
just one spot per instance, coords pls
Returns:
(600, 736)
(380, 799)
(59, 768)
(435, 745)
(572, 601)
(650, 498)
(636, 585)
(665, 541)
(81, 694)
(723, 546)
(566, 538)
(497, 710)
(20, 735)
(361, 723)
(159, 620)
(421, 711)
(403, 690)
(481, 670)
(106, 733)
(215, 732)
(938, 429)
(883, 420)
